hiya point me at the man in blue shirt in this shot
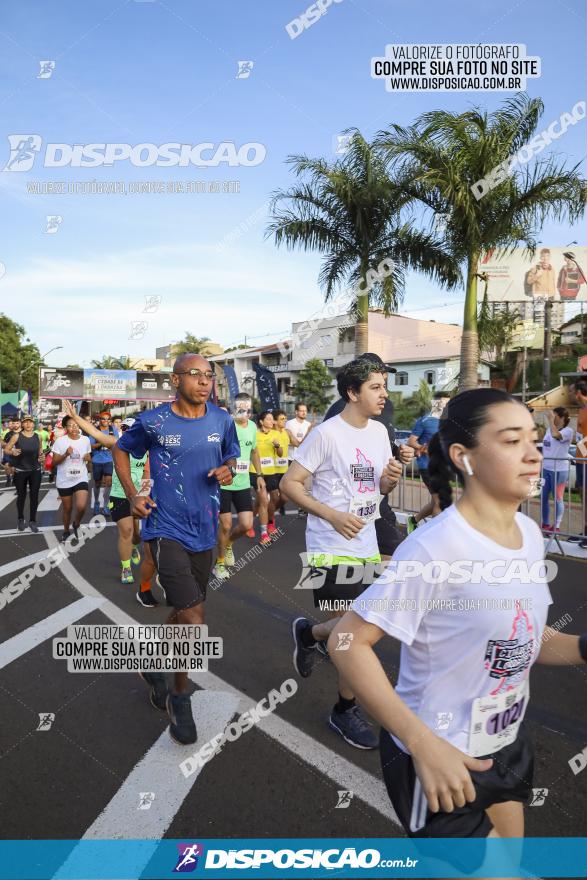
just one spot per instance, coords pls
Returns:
(422, 433)
(102, 465)
(192, 448)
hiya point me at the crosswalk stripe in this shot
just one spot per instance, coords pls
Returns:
(51, 501)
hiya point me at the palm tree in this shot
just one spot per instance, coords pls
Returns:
(191, 345)
(440, 158)
(351, 211)
(109, 362)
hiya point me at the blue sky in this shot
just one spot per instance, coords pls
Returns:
(165, 71)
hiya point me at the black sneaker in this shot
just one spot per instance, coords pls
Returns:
(182, 727)
(575, 539)
(583, 544)
(21, 525)
(75, 528)
(64, 537)
(303, 657)
(322, 648)
(33, 526)
(354, 728)
(158, 685)
(147, 599)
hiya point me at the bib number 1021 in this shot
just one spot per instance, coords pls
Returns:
(498, 722)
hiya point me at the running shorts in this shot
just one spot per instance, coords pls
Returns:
(241, 498)
(183, 574)
(119, 508)
(271, 481)
(509, 779)
(388, 534)
(332, 596)
(71, 490)
(102, 470)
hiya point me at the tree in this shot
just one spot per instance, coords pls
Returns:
(448, 162)
(109, 362)
(314, 385)
(496, 331)
(18, 355)
(407, 409)
(236, 347)
(351, 212)
(191, 345)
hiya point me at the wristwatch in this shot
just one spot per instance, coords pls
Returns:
(232, 470)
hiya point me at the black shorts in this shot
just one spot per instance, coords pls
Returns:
(119, 508)
(331, 596)
(241, 498)
(102, 470)
(71, 490)
(388, 534)
(183, 573)
(271, 481)
(509, 779)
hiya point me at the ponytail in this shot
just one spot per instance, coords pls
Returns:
(440, 472)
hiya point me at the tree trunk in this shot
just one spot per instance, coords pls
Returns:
(470, 339)
(513, 380)
(362, 329)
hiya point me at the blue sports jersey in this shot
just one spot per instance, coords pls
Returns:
(425, 429)
(103, 456)
(182, 452)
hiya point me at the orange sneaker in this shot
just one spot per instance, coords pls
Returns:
(264, 539)
(251, 533)
(271, 528)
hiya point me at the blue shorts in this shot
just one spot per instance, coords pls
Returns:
(102, 470)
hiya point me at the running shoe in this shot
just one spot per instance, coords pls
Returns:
(147, 599)
(265, 539)
(182, 728)
(303, 657)
(583, 544)
(96, 509)
(158, 685)
(271, 528)
(411, 524)
(229, 556)
(126, 576)
(251, 533)
(575, 539)
(321, 647)
(64, 537)
(21, 525)
(34, 527)
(135, 556)
(546, 527)
(75, 528)
(354, 728)
(220, 571)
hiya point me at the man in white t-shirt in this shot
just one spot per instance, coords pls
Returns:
(350, 461)
(71, 454)
(298, 429)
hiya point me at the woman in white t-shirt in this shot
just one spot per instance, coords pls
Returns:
(467, 596)
(70, 455)
(555, 449)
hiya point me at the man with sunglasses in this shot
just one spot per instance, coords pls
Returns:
(238, 493)
(193, 448)
(102, 465)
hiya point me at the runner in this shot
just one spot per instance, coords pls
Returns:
(57, 432)
(102, 465)
(116, 425)
(388, 534)
(298, 428)
(268, 448)
(238, 493)
(423, 431)
(281, 463)
(193, 449)
(349, 458)
(13, 428)
(70, 456)
(555, 466)
(456, 755)
(26, 451)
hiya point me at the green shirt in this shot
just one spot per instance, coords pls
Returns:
(247, 438)
(136, 475)
(43, 436)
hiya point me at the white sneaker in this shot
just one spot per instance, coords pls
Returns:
(220, 571)
(229, 556)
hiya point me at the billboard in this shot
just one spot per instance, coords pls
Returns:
(55, 383)
(556, 273)
(154, 386)
(113, 384)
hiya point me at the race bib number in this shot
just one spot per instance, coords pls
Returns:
(74, 471)
(281, 462)
(366, 507)
(267, 462)
(495, 720)
(242, 467)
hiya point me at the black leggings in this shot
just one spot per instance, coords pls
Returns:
(32, 479)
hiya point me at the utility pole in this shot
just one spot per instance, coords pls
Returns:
(547, 345)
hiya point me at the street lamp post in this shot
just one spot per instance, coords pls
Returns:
(34, 364)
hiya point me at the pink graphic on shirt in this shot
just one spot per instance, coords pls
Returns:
(509, 659)
(364, 473)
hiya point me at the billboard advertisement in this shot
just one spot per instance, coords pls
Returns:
(556, 273)
(154, 386)
(57, 383)
(113, 384)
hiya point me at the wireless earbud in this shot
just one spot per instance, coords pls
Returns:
(468, 467)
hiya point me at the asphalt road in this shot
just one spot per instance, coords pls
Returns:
(87, 774)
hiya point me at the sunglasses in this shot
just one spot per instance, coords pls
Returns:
(197, 374)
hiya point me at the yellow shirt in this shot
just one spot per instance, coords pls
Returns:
(281, 461)
(266, 451)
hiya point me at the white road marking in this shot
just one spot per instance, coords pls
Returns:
(51, 501)
(11, 533)
(370, 789)
(7, 499)
(25, 641)
(23, 562)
